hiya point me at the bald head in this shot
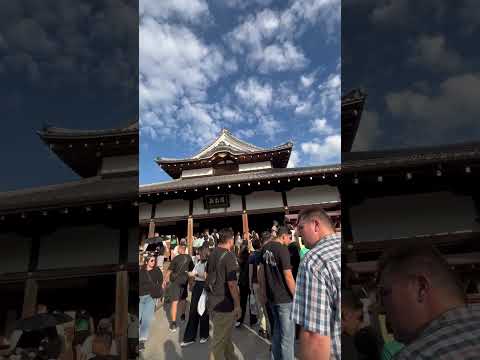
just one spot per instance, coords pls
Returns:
(412, 258)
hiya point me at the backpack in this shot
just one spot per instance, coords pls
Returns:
(181, 270)
(211, 282)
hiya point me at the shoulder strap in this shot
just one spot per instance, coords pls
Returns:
(185, 261)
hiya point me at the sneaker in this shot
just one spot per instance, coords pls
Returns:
(186, 343)
(237, 324)
(203, 340)
(173, 326)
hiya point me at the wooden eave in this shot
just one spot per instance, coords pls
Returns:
(278, 157)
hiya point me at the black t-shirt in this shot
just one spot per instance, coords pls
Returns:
(275, 259)
(178, 266)
(146, 283)
(255, 259)
(294, 251)
(220, 299)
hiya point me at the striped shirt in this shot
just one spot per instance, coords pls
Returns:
(316, 304)
(454, 335)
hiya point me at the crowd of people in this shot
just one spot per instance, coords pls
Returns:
(48, 334)
(287, 279)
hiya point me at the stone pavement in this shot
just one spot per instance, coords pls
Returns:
(164, 345)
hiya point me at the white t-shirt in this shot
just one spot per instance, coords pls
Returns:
(200, 270)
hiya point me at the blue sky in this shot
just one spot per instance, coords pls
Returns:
(269, 71)
(420, 66)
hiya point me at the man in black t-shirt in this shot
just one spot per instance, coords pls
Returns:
(223, 299)
(279, 287)
(177, 276)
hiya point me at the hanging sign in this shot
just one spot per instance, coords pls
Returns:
(216, 201)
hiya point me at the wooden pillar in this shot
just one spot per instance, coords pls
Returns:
(285, 203)
(30, 298)
(190, 234)
(246, 231)
(121, 314)
(151, 229)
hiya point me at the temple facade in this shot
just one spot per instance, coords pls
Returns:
(75, 245)
(236, 184)
(425, 194)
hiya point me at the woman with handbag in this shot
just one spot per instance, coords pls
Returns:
(194, 318)
(150, 289)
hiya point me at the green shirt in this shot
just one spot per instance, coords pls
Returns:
(303, 251)
(390, 349)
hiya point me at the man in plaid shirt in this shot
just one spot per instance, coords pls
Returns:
(316, 304)
(425, 304)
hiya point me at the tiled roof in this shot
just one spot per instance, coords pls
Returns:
(81, 192)
(260, 175)
(364, 161)
(52, 132)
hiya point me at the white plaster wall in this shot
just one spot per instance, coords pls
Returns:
(14, 253)
(311, 195)
(197, 172)
(171, 208)
(264, 200)
(255, 166)
(235, 205)
(79, 246)
(410, 215)
(144, 211)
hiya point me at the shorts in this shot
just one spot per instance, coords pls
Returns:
(178, 292)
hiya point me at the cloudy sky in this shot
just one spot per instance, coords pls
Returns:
(419, 63)
(269, 71)
(69, 63)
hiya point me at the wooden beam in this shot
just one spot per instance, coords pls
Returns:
(121, 314)
(190, 234)
(30, 298)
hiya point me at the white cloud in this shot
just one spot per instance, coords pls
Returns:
(322, 151)
(435, 116)
(390, 12)
(269, 126)
(303, 108)
(329, 96)
(294, 160)
(253, 93)
(307, 80)
(321, 127)
(267, 38)
(175, 64)
(246, 133)
(432, 52)
(279, 57)
(199, 126)
(190, 10)
(242, 4)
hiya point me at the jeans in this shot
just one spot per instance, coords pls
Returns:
(284, 332)
(147, 313)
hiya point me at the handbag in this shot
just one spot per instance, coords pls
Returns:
(202, 303)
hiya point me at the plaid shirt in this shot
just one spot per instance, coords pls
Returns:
(316, 304)
(454, 335)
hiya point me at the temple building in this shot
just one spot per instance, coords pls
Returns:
(231, 183)
(426, 194)
(74, 245)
